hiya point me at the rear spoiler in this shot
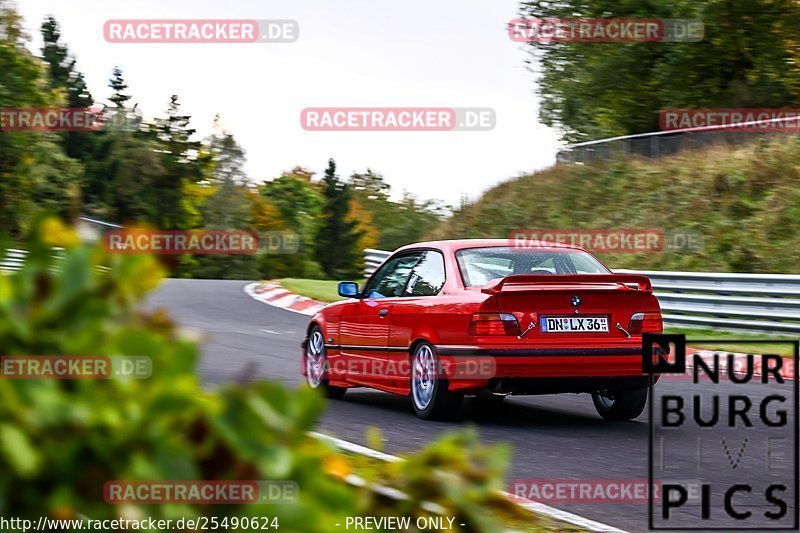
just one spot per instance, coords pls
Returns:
(643, 282)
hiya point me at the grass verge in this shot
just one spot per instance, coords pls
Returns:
(323, 290)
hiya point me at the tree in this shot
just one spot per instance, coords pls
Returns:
(298, 202)
(119, 148)
(61, 67)
(396, 223)
(595, 90)
(35, 173)
(412, 221)
(119, 98)
(365, 228)
(67, 81)
(228, 207)
(337, 239)
(373, 194)
(180, 163)
(126, 163)
(54, 180)
(130, 165)
(370, 187)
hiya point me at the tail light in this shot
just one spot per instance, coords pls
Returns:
(493, 324)
(645, 322)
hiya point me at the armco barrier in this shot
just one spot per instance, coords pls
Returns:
(373, 259)
(14, 259)
(89, 229)
(755, 302)
(768, 303)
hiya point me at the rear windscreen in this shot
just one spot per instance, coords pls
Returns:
(479, 266)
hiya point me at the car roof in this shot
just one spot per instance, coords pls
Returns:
(460, 244)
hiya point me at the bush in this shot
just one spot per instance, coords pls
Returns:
(62, 440)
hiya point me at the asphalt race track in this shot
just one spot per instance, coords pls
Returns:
(553, 437)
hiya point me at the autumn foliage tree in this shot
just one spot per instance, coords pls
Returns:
(747, 57)
(338, 237)
(156, 173)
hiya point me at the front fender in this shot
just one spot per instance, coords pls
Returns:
(329, 319)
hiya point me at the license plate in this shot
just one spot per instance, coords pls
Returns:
(574, 324)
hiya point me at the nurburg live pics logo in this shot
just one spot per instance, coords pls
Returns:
(723, 445)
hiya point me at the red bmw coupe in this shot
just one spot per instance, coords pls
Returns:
(441, 320)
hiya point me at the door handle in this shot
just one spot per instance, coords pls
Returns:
(383, 312)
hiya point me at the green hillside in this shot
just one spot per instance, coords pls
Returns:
(744, 200)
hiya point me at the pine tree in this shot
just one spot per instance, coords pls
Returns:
(55, 54)
(64, 77)
(61, 66)
(117, 83)
(337, 239)
(178, 156)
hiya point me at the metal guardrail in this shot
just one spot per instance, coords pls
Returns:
(657, 145)
(755, 302)
(373, 259)
(14, 258)
(768, 303)
(667, 143)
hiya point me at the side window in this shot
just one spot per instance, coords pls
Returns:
(391, 279)
(427, 277)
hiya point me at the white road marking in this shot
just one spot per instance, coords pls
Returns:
(534, 507)
(356, 448)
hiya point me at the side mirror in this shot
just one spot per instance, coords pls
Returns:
(348, 289)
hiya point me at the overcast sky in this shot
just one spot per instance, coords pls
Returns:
(358, 53)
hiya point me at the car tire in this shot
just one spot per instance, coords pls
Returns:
(622, 404)
(316, 363)
(430, 396)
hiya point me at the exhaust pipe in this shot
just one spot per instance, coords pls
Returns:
(501, 388)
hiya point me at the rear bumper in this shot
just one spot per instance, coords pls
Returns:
(562, 385)
(503, 352)
(543, 370)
